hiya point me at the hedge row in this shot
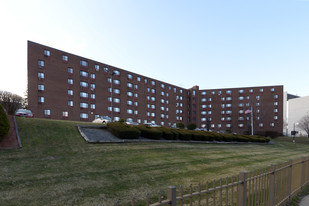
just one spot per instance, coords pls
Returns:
(123, 131)
(133, 132)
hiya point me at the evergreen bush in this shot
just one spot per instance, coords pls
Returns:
(4, 123)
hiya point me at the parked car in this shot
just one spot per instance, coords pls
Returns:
(150, 124)
(24, 113)
(129, 122)
(102, 120)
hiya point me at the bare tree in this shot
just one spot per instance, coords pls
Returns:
(304, 124)
(10, 102)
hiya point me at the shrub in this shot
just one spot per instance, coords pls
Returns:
(175, 133)
(199, 136)
(167, 133)
(191, 126)
(123, 131)
(4, 123)
(149, 132)
(184, 134)
(180, 125)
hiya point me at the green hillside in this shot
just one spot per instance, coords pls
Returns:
(57, 167)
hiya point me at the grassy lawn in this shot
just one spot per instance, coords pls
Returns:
(57, 167)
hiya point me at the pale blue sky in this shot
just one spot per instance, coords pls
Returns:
(213, 44)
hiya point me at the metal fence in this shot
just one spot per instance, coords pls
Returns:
(268, 187)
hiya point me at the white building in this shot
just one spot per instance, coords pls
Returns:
(296, 109)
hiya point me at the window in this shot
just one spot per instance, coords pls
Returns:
(47, 112)
(65, 58)
(92, 86)
(261, 90)
(70, 103)
(65, 114)
(153, 106)
(153, 91)
(97, 67)
(228, 125)
(162, 93)
(153, 114)
(106, 69)
(228, 105)
(135, 86)
(251, 90)
(193, 92)
(145, 80)
(229, 118)
(130, 94)
(209, 99)
(83, 94)
(138, 79)
(70, 81)
(130, 85)
(92, 76)
(228, 91)
(272, 89)
(213, 92)
(204, 99)
(83, 74)
(41, 100)
(153, 83)
(162, 101)
(41, 87)
(204, 106)
(204, 93)
(241, 98)
(276, 103)
(130, 76)
(241, 104)
(272, 124)
(70, 70)
(260, 124)
(40, 63)
(275, 110)
(129, 111)
(229, 99)
(136, 95)
(129, 102)
(228, 112)
(240, 125)
(153, 99)
(83, 105)
(116, 72)
(162, 86)
(84, 84)
(116, 100)
(92, 96)
(240, 118)
(70, 92)
(257, 97)
(84, 63)
(275, 117)
(276, 96)
(84, 116)
(241, 111)
(203, 112)
(116, 109)
(117, 91)
(136, 104)
(241, 91)
(46, 53)
(116, 81)
(41, 75)
(92, 106)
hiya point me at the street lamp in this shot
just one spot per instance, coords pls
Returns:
(112, 74)
(294, 132)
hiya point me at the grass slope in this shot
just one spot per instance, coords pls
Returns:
(57, 167)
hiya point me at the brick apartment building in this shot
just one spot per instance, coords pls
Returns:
(66, 86)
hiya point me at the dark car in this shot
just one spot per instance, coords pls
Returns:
(24, 113)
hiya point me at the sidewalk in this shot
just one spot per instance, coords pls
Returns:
(304, 201)
(11, 141)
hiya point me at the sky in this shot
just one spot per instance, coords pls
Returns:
(210, 43)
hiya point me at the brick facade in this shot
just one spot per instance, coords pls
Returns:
(66, 86)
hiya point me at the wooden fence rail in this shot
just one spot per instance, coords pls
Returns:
(272, 186)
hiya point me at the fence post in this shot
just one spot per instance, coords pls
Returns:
(242, 189)
(171, 195)
(290, 178)
(272, 185)
(302, 181)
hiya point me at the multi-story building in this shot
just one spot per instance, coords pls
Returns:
(66, 86)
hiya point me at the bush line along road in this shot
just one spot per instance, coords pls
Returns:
(57, 167)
